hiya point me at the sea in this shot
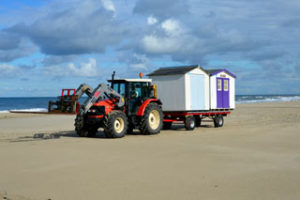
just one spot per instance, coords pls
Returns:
(40, 104)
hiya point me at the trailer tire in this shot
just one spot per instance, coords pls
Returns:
(152, 121)
(218, 121)
(190, 123)
(167, 125)
(116, 125)
(198, 121)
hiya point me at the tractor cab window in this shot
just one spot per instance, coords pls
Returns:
(139, 90)
(145, 90)
(135, 90)
(119, 88)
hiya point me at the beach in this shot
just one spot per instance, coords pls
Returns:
(255, 155)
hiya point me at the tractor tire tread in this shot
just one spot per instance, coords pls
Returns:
(144, 125)
(109, 125)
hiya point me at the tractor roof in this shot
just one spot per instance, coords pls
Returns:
(131, 80)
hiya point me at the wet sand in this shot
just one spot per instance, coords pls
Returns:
(256, 155)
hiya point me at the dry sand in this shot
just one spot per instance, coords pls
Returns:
(256, 155)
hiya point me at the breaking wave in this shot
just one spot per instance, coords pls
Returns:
(266, 98)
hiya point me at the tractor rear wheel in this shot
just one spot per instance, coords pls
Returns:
(152, 121)
(116, 125)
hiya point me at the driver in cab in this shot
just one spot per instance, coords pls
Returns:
(134, 94)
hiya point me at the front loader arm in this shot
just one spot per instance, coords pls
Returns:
(84, 88)
(100, 92)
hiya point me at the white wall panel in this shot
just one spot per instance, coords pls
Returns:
(171, 91)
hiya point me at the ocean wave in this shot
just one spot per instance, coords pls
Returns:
(25, 110)
(263, 99)
(31, 110)
(4, 111)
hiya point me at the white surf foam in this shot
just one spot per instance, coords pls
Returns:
(270, 99)
(31, 110)
(4, 111)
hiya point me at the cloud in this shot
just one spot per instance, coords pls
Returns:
(109, 5)
(137, 34)
(139, 63)
(297, 68)
(151, 20)
(88, 69)
(84, 27)
(9, 41)
(13, 46)
(8, 71)
(55, 60)
(161, 9)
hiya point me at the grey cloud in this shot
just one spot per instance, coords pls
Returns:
(55, 60)
(19, 52)
(297, 68)
(86, 28)
(291, 23)
(161, 9)
(269, 54)
(9, 41)
(242, 30)
(13, 46)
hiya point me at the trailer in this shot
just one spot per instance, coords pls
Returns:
(193, 119)
(190, 94)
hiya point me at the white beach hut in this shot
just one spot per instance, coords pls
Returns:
(183, 88)
(222, 89)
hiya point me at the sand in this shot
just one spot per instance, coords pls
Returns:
(256, 155)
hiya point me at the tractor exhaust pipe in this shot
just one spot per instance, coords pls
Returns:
(112, 79)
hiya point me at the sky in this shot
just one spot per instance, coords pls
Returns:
(47, 45)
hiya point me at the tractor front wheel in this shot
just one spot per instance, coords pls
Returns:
(152, 121)
(116, 125)
(81, 128)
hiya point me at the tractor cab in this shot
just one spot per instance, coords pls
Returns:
(134, 92)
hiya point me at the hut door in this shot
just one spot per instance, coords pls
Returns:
(222, 93)
(197, 92)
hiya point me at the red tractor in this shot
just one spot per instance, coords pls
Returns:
(118, 109)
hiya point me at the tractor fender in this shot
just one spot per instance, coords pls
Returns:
(142, 108)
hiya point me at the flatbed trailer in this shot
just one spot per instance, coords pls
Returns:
(192, 119)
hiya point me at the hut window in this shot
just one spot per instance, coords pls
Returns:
(225, 85)
(219, 84)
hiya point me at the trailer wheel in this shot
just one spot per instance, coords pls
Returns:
(190, 123)
(167, 125)
(152, 121)
(116, 125)
(218, 121)
(198, 121)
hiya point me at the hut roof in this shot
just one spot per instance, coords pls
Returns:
(173, 70)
